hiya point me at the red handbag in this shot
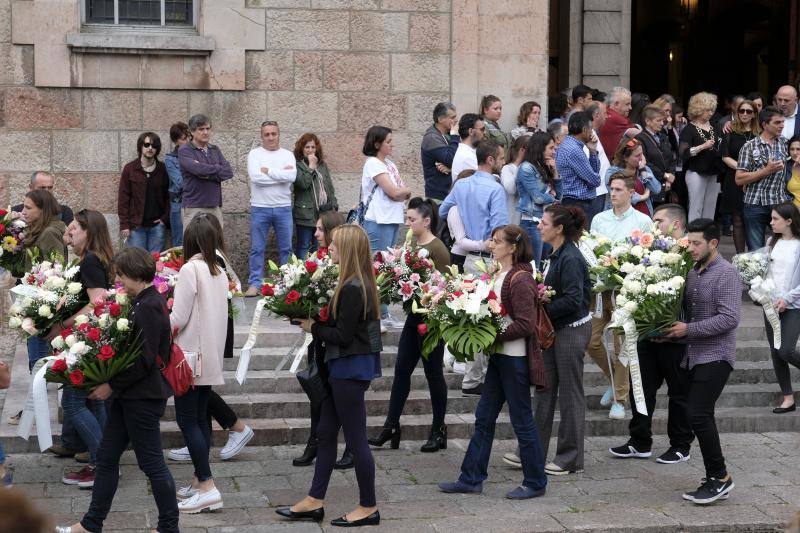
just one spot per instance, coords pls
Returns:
(176, 371)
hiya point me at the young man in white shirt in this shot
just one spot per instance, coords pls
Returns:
(472, 130)
(271, 170)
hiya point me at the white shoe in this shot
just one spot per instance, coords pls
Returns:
(617, 412)
(512, 459)
(202, 501)
(236, 441)
(186, 492)
(391, 322)
(460, 368)
(181, 454)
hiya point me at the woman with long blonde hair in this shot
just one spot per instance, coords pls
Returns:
(352, 339)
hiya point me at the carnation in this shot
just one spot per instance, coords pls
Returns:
(70, 340)
(44, 311)
(81, 319)
(74, 288)
(57, 343)
(79, 348)
(122, 324)
(14, 322)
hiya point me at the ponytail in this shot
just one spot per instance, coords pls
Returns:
(426, 209)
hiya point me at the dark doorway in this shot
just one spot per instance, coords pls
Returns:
(722, 46)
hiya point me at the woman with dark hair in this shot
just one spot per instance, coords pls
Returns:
(86, 418)
(744, 127)
(45, 239)
(629, 160)
(200, 314)
(491, 111)
(140, 398)
(527, 120)
(421, 218)
(793, 170)
(383, 192)
(784, 271)
(568, 310)
(536, 185)
(638, 102)
(757, 99)
(179, 134)
(508, 378)
(353, 345)
(313, 192)
(143, 202)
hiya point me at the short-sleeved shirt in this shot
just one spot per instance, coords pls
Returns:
(754, 155)
(92, 273)
(382, 209)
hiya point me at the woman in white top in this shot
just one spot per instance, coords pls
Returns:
(383, 189)
(508, 177)
(784, 270)
(200, 314)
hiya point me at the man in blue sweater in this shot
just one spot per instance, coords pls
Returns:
(439, 145)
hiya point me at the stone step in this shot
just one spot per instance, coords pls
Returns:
(295, 405)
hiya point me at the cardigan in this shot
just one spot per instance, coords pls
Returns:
(349, 333)
(520, 297)
(569, 277)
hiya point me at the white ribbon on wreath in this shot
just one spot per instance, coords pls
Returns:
(761, 291)
(629, 354)
(37, 408)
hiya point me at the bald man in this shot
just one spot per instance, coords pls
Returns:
(786, 101)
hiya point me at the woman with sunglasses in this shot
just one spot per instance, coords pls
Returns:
(744, 127)
(143, 199)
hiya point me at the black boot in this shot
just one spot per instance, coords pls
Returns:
(346, 462)
(309, 454)
(387, 433)
(437, 441)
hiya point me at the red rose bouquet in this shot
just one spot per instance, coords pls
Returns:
(403, 274)
(99, 346)
(12, 243)
(300, 289)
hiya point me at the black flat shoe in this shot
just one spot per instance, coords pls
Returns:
(346, 462)
(316, 515)
(781, 410)
(372, 520)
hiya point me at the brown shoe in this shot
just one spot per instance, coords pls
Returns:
(61, 451)
(82, 457)
(251, 292)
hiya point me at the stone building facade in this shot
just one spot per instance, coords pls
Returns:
(74, 96)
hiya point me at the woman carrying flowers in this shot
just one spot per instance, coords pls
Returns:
(508, 378)
(421, 216)
(84, 418)
(140, 398)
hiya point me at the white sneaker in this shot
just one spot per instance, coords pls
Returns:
(202, 501)
(512, 459)
(186, 492)
(460, 368)
(181, 454)
(617, 411)
(236, 441)
(391, 322)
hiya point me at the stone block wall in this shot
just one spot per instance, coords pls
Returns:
(334, 67)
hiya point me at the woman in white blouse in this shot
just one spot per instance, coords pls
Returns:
(508, 177)
(784, 270)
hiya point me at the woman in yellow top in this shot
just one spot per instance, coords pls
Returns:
(793, 170)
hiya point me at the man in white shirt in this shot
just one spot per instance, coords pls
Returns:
(786, 101)
(272, 170)
(472, 130)
(597, 110)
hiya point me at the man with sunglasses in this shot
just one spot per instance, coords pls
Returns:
(41, 179)
(143, 197)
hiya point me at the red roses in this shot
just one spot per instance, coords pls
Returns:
(422, 329)
(292, 297)
(93, 334)
(76, 377)
(115, 309)
(106, 353)
(267, 290)
(311, 267)
(59, 365)
(323, 314)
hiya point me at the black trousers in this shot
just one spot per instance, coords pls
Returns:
(220, 411)
(660, 362)
(706, 383)
(137, 422)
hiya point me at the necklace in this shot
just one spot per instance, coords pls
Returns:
(702, 133)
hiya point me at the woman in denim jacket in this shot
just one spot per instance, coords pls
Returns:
(536, 186)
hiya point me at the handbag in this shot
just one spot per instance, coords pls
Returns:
(313, 383)
(545, 332)
(356, 216)
(176, 371)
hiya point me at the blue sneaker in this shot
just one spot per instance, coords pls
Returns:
(608, 397)
(525, 493)
(459, 487)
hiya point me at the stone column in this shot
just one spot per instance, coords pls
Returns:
(606, 52)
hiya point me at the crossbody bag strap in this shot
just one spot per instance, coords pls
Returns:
(369, 199)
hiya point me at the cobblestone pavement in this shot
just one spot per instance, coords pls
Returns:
(612, 495)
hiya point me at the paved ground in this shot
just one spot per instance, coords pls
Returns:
(612, 495)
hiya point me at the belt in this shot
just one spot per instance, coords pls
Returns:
(481, 254)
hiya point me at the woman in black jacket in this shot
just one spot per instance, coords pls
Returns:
(352, 340)
(566, 272)
(140, 397)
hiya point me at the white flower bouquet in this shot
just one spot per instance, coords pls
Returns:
(753, 268)
(751, 265)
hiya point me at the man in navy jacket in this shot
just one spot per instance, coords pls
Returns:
(437, 150)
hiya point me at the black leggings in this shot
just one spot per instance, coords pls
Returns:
(220, 411)
(345, 409)
(409, 352)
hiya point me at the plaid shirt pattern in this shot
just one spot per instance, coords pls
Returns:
(712, 305)
(579, 175)
(755, 154)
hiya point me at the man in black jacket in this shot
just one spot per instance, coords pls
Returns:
(42, 179)
(657, 151)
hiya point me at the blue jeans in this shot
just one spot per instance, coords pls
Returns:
(532, 229)
(176, 223)
(87, 417)
(507, 380)
(755, 218)
(381, 236)
(304, 240)
(37, 349)
(151, 239)
(190, 413)
(261, 218)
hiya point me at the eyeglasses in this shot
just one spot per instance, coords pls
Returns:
(151, 145)
(746, 111)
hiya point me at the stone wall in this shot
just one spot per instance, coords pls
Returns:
(334, 67)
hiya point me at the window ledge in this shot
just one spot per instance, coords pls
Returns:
(149, 41)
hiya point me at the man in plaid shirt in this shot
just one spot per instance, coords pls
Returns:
(761, 171)
(712, 306)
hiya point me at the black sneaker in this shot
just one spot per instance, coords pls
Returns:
(475, 391)
(627, 451)
(711, 490)
(672, 456)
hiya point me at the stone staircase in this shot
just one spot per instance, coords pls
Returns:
(273, 404)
